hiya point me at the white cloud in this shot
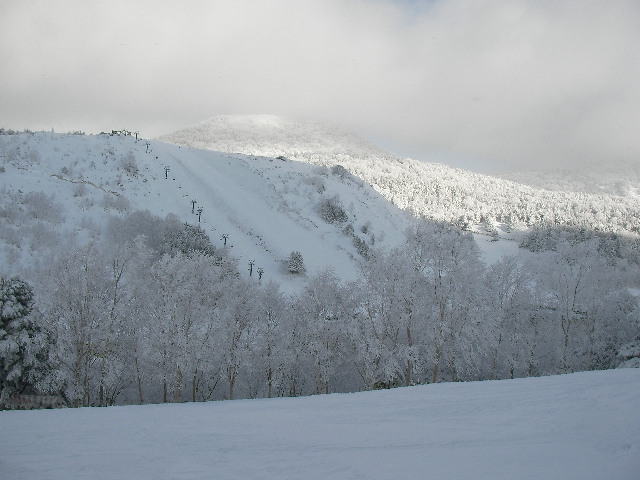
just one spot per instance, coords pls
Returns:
(513, 83)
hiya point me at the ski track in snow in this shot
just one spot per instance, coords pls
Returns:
(240, 194)
(241, 199)
(577, 426)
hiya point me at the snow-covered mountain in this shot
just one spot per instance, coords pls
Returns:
(434, 190)
(59, 185)
(266, 201)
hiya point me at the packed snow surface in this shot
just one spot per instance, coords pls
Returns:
(577, 426)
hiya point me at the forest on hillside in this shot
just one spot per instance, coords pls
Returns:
(468, 199)
(150, 311)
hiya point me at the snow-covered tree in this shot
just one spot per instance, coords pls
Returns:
(74, 299)
(588, 301)
(295, 263)
(332, 211)
(327, 308)
(268, 346)
(448, 260)
(186, 294)
(509, 301)
(89, 298)
(24, 346)
(164, 235)
(232, 331)
(118, 345)
(188, 239)
(394, 305)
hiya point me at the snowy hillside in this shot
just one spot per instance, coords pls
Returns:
(57, 186)
(437, 191)
(620, 180)
(578, 426)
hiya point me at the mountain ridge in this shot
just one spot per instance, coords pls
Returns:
(434, 190)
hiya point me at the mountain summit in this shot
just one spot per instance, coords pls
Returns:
(273, 135)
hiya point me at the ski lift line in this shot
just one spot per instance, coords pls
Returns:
(221, 205)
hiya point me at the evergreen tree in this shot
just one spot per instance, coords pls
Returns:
(188, 239)
(332, 211)
(23, 350)
(295, 264)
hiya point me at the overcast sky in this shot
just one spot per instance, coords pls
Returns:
(480, 83)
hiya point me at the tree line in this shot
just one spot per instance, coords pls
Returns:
(151, 312)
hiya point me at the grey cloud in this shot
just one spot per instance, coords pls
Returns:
(511, 84)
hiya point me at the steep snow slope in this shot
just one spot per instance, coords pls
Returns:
(578, 426)
(267, 207)
(437, 191)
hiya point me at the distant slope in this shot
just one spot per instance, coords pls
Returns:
(430, 189)
(619, 180)
(578, 426)
(56, 186)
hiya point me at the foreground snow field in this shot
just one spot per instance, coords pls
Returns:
(577, 426)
